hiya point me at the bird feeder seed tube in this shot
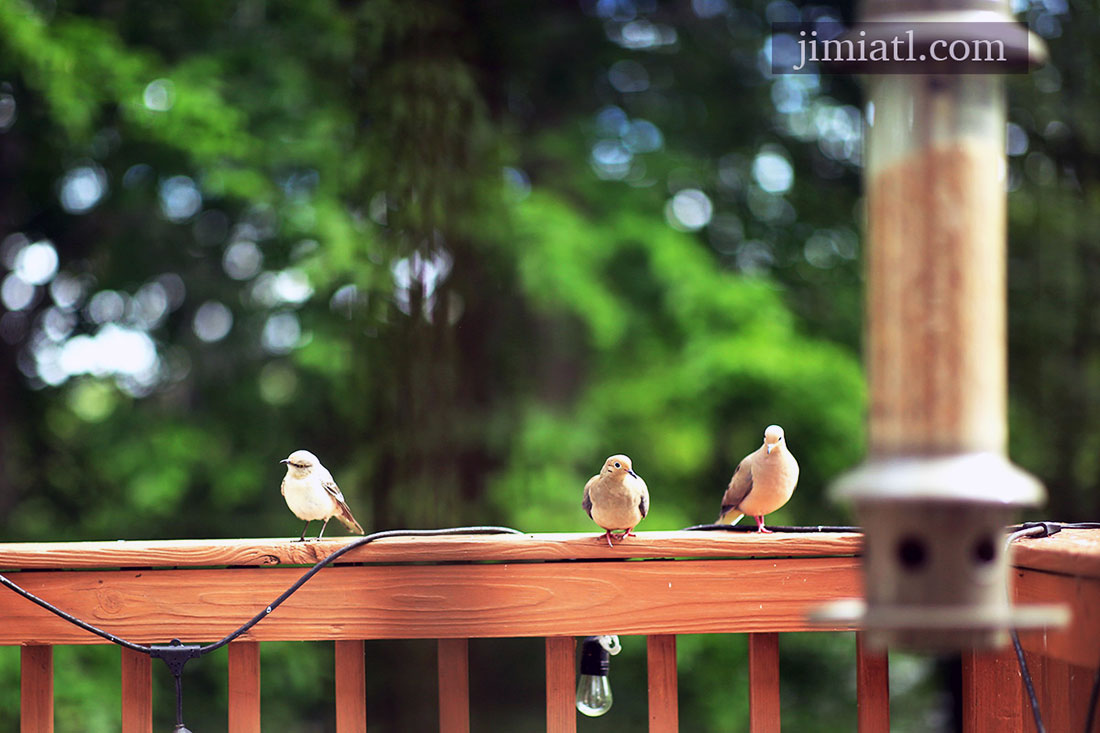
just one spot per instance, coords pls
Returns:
(935, 319)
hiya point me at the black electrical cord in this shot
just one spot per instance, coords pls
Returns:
(750, 528)
(175, 654)
(1030, 529)
(348, 548)
(1046, 529)
(274, 604)
(73, 619)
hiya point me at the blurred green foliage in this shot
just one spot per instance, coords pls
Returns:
(464, 251)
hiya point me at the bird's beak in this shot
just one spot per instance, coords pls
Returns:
(631, 472)
(285, 460)
(769, 446)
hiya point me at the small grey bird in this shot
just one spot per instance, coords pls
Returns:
(616, 498)
(762, 483)
(311, 493)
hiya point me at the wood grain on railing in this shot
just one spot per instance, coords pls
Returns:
(1079, 642)
(991, 695)
(561, 685)
(664, 708)
(505, 586)
(872, 689)
(764, 683)
(351, 686)
(137, 692)
(426, 602)
(543, 599)
(244, 687)
(457, 548)
(36, 689)
(454, 686)
(1070, 552)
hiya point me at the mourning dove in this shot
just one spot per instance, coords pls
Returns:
(311, 493)
(616, 498)
(762, 483)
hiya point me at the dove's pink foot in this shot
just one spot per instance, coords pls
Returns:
(760, 525)
(628, 533)
(606, 534)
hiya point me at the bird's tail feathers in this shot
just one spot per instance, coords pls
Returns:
(730, 518)
(348, 520)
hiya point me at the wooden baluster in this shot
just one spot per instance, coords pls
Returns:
(351, 687)
(137, 692)
(36, 689)
(454, 686)
(664, 713)
(993, 693)
(1053, 690)
(561, 685)
(872, 689)
(1080, 691)
(764, 683)
(244, 687)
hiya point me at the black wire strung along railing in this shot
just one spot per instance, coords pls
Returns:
(175, 654)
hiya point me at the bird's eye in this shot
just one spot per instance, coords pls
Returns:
(618, 465)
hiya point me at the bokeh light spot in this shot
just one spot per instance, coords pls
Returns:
(772, 171)
(16, 293)
(212, 321)
(689, 210)
(159, 95)
(82, 188)
(242, 260)
(1015, 139)
(36, 263)
(150, 305)
(180, 198)
(628, 76)
(67, 291)
(106, 306)
(278, 383)
(643, 136)
(281, 333)
(8, 112)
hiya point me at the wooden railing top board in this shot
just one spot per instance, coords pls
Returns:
(1071, 552)
(459, 548)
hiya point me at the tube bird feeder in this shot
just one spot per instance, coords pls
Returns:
(937, 489)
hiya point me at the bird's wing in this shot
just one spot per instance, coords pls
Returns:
(333, 489)
(586, 502)
(343, 512)
(739, 488)
(643, 503)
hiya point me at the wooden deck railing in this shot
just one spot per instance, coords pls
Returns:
(516, 586)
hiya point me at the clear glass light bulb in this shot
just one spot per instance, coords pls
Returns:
(593, 695)
(593, 688)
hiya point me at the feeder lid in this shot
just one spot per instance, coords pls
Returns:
(983, 477)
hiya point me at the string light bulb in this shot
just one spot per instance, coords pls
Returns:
(593, 688)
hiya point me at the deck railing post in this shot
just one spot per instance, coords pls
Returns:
(764, 715)
(872, 688)
(36, 689)
(137, 692)
(664, 706)
(351, 684)
(244, 687)
(454, 686)
(561, 711)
